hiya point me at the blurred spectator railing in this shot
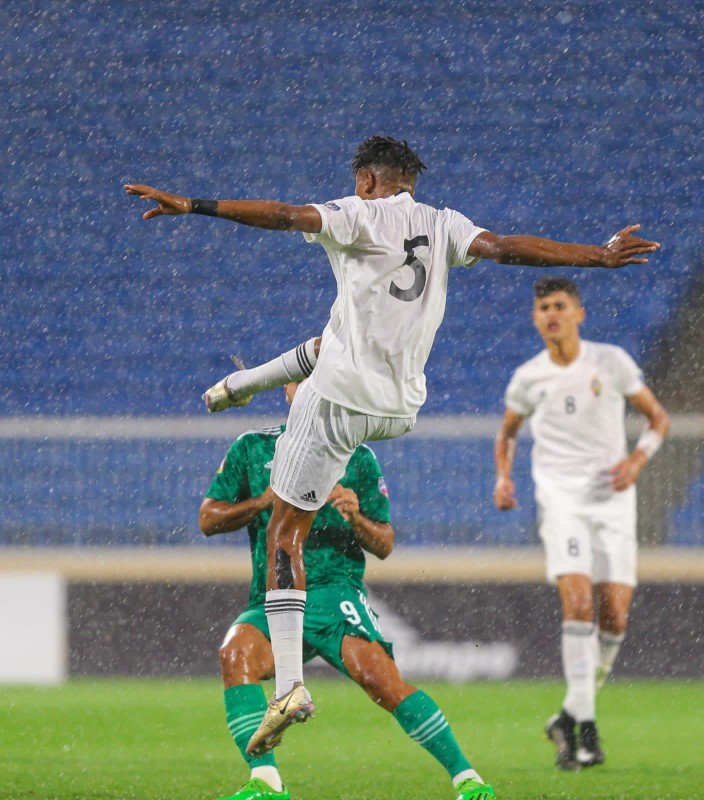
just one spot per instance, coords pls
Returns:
(139, 481)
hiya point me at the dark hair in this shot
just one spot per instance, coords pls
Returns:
(385, 151)
(546, 286)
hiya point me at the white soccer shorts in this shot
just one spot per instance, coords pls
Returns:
(312, 454)
(597, 540)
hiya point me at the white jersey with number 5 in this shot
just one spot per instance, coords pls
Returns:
(391, 259)
(576, 418)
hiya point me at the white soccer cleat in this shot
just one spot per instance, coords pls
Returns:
(222, 396)
(295, 706)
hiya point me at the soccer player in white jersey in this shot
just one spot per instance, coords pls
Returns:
(391, 258)
(574, 393)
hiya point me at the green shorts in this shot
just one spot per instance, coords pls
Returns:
(332, 612)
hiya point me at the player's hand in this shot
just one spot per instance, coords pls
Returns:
(505, 494)
(345, 502)
(625, 248)
(627, 472)
(168, 204)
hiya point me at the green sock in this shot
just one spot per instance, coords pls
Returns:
(244, 708)
(423, 721)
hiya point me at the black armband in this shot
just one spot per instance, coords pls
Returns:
(208, 208)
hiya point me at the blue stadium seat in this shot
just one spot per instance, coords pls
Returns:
(113, 316)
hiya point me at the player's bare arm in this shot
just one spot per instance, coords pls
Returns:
(376, 538)
(623, 248)
(504, 452)
(626, 472)
(219, 516)
(267, 214)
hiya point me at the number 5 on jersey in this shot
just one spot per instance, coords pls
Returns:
(419, 271)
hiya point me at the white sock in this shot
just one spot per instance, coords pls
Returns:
(284, 613)
(609, 645)
(270, 775)
(579, 668)
(300, 362)
(465, 775)
(294, 365)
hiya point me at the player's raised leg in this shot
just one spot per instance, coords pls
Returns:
(238, 388)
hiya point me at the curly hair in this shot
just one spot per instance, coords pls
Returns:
(385, 151)
(546, 286)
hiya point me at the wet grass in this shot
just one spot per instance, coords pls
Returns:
(166, 740)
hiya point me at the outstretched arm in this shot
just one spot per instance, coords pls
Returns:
(269, 214)
(627, 471)
(532, 251)
(504, 451)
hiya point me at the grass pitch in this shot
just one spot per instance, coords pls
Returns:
(167, 740)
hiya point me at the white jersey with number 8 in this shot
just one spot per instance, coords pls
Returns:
(576, 417)
(391, 259)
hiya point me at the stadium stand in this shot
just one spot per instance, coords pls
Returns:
(563, 134)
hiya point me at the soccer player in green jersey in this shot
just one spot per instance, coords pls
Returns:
(339, 623)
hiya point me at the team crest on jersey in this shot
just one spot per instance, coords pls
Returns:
(332, 206)
(382, 487)
(596, 386)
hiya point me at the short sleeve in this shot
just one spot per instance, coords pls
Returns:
(462, 232)
(629, 378)
(341, 222)
(371, 488)
(230, 482)
(516, 396)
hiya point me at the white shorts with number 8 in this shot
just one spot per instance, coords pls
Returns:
(595, 539)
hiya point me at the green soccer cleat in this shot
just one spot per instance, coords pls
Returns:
(257, 789)
(222, 396)
(472, 789)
